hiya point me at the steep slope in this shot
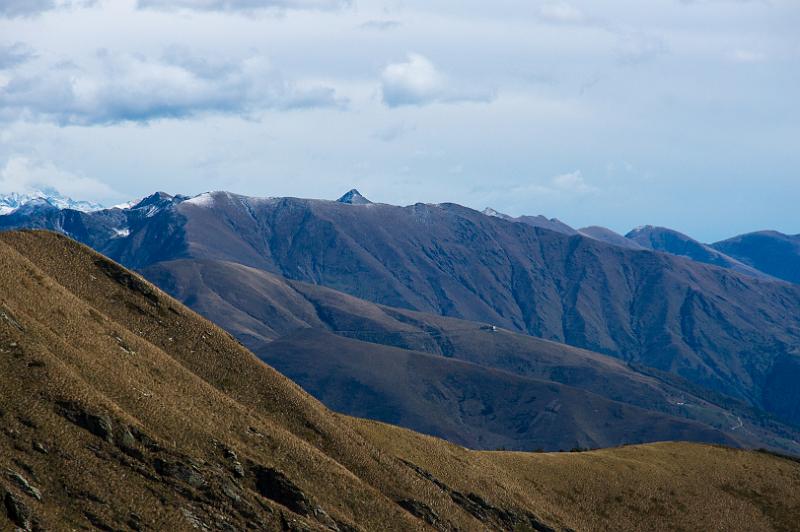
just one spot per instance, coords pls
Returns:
(771, 252)
(724, 331)
(121, 408)
(671, 241)
(666, 312)
(258, 307)
(467, 404)
(608, 236)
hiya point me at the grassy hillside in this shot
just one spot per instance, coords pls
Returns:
(122, 409)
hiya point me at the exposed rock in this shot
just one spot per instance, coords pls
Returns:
(277, 487)
(6, 316)
(40, 448)
(99, 425)
(503, 518)
(180, 471)
(422, 511)
(98, 522)
(194, 520)
(24, 485)
(236, 465)
(17, 512)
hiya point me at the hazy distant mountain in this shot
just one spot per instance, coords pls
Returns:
(43, 198)
(553, 224)
(671, 241)
(610, 237)
(771, 252)
(732, 333)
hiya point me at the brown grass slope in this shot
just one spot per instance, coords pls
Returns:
(122, 410)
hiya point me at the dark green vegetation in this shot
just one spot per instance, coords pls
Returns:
(123, 410)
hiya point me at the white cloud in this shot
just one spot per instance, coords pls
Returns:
(747, 56)
(561, 12)
(30, 8)
(572, 182)
(417, 81)
(115, 88)
(25, 176)
(569, 184)
(380, 25)
(240, 5)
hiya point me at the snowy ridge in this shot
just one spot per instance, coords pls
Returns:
(9, 203)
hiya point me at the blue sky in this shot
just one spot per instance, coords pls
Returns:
(681, 113)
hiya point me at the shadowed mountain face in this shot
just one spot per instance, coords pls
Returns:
(670, 241)
(768, 251)
(731, 333)
(361, 378)
(122, 409)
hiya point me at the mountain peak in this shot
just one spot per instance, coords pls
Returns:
(46, 197)
(488, 211)
(354, 197)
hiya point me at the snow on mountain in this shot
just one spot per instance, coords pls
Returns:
(47, 196)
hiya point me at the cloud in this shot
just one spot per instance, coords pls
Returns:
(747, 56)
(15, 54)
(116, 88)
(561, 13)
(380, 25)
(393, 132)
(417, 81)
(635, 48)
(23, 175)
(572, 182)
(240, 5)
(30, 8)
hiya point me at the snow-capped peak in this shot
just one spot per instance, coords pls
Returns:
(44, 197)
(488, 211)
(354, 197)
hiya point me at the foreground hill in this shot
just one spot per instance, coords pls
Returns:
(123, 409)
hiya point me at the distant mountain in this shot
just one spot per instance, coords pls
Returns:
(354, 197)
(675, 243)
(610, 237)
(771, 252)
(553, 224)
(735, 334)
(47, 197)
(290, 325)
(123, 410)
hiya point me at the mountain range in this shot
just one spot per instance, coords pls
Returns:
(44, 198)
(342, 295)
(121, 409)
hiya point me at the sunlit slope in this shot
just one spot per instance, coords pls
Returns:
(121, 409)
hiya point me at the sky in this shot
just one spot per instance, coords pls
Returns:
(681, 113)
